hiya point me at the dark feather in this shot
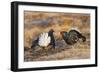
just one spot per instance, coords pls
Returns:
(52, 42)
(72, 36)
(34, 43)
(78, 34)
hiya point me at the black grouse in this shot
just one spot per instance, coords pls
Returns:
(44, 40)
(72, 36)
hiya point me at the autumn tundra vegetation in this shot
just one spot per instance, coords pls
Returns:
(40, 27)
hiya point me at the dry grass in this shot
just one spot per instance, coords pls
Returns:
(63, 51)
(77, 51)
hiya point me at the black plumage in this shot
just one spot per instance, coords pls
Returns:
(52, 42)
(72, 36)
(35, 43)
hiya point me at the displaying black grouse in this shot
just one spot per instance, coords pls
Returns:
(44, 40)
(72, 36)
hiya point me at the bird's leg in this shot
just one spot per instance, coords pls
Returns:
(52, 49)
(44, 50)
(72, 47)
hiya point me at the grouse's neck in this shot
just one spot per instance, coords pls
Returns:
(50, 33)
(65, 36)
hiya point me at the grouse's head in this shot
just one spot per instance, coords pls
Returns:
(62, 32)
(51, 30)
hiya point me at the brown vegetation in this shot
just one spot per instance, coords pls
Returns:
(60, 22)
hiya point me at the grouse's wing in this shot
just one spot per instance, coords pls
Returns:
(78, 34)
(34, 43)
(71, 37)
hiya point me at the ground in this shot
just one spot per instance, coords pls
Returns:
(77, 51)
(39, 22)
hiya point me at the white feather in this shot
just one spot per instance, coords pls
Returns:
(44, 40)
(74, 28)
